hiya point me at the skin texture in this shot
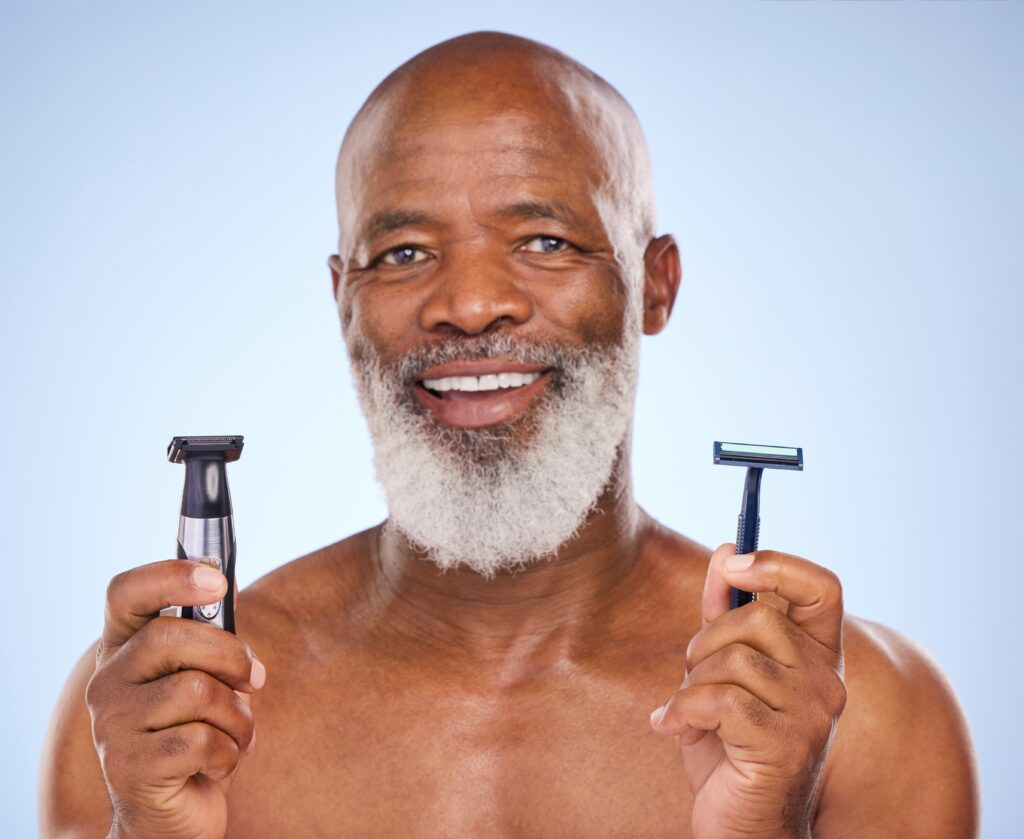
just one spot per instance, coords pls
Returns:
(402, 701)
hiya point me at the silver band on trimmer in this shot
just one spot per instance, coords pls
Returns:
(199, 538)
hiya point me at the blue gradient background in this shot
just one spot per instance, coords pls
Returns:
(845, 181)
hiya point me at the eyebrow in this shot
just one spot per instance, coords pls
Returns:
(548, 208)
(386, 221)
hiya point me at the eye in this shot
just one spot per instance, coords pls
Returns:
(402, 255)
(546, 244)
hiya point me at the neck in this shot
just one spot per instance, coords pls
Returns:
(542, 614)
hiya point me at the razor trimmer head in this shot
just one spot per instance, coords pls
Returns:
(180, 448)
(759, 457)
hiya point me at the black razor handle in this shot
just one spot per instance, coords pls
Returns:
(748, 528)
(206, 529)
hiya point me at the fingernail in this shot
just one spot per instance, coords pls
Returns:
(252, 742)
(258, 674)
(208, 579)
(737, 562)
(657, 714)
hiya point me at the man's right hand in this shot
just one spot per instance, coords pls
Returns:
(170, 715)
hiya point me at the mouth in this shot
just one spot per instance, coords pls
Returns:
(480, 393)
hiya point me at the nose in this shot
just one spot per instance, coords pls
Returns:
(472, 296)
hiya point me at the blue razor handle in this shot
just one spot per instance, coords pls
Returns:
(748, 528)
(756, 459)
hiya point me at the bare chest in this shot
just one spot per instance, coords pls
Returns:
(376, 755)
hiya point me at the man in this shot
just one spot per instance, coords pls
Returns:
(495, 659)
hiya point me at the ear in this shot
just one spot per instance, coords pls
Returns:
(334, 263)
(661, 282)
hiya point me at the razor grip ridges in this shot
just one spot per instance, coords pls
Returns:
(746, 542)
(747, 534)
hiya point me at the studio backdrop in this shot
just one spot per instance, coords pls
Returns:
(845, 183)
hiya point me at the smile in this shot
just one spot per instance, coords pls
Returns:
(470, 384)
(479, 393)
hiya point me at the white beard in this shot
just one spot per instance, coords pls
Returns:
(496, 499)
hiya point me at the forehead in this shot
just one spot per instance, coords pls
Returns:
(442, 147)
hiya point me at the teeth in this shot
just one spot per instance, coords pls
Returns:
(473, 383)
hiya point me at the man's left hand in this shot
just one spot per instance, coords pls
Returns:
(763, 693)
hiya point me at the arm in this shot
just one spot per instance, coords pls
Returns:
(73, 798)
(902, 763)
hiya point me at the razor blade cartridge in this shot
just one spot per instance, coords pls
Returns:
(761, 457)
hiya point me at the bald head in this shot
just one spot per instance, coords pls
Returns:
(559, 106)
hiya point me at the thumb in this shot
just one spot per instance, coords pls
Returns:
(714, 601)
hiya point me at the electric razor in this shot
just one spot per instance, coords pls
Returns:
(206, 527)
(756, 459)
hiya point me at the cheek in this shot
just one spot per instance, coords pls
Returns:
(376, 319)
(593, 306)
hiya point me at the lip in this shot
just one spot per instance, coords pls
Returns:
(484, 409)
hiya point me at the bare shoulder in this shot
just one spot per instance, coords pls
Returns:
(902, 762)
(300, 596)
(72, 793)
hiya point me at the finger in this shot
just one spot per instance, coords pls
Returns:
(167, 645)
(715, 599)
(814, 593)
(773, 683)
(758, 625)
(136, 597)
(193, 748)
(739, 718)
(195, 696)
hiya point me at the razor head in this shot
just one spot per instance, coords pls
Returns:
(181, 448)
(759, 457)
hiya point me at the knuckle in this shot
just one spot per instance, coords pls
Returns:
(107, 710)
(201, 738)
(763, 665)
(110, 722)
(736, 702)
(241, 657)
(765, 617)
(94, 691)
(727, 700)
(193, 687)
(247, 720)
(837, 695)
(734, 658)
(116, 586)
(226, 760)
(691, 652)
(756, 711)
(170, 632)
(153, 636)
(832, 587)
(176, 743)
